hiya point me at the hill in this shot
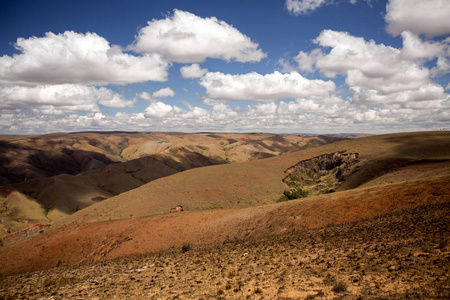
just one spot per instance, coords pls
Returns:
(402, 255)
(381, 160)
(56, 175)
(395, 173)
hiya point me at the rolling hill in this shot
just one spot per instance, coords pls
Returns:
(239, 201)
(52, 176)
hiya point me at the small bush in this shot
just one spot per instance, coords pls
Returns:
(295, 193)
(339, 287)
(257, 291)
(282, 199)
(231, 274)
(185, 247)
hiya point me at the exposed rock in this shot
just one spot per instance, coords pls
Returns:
(319, 175)
(20, 235)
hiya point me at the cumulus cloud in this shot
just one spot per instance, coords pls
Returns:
(76, 58)
(428, 17)
(302, 7)
(187, 38)
(376, 72)
(192, 71)
(58, 99)
(269, 87)
(415, 48)
(428, 92)
(158, 110)
(158, 95)
(163, 93)
(296, 116)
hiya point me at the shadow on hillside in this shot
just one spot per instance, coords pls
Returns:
(413, 149)
(432, 145)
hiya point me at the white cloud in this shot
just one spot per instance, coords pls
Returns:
(144, 95)
(430, 17)
(428, 92)
(296, 116)
(303, 7)
(414, 47)
(306, 61)
(157, 110)
(187, 38)
(269, 87)
(158, 95)
(163, 93)
(192, 71)
(374, 71)
(57, 99)
(75, 58)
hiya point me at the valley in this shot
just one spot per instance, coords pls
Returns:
(366, 218)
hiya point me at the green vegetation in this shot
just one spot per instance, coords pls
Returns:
(339, 287)
(319, 175)
(185, 247)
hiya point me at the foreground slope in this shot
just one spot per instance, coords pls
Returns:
(402, 255)
(400, 172)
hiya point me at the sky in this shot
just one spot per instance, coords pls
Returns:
(279, 66)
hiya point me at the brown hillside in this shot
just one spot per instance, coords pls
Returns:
(400, 171)
(101, 165)
(382, 159)
(81, 242)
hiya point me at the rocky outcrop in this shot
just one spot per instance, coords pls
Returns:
(319, 175)
(22, 234)
(179, 208)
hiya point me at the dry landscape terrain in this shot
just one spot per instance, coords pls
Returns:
(265, 216)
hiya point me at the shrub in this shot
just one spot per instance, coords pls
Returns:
(185, 247)
(339, 287)
(282, 199)
(295, 193)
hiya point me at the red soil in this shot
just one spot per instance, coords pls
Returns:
(80, 242)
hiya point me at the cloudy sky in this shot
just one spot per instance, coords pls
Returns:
(281, 66)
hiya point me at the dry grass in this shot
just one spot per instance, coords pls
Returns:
(395, 256)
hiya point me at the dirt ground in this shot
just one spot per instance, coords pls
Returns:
(396, 256)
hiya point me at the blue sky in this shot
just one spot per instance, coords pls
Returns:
(293, 66)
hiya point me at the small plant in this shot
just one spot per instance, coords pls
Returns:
(185, 247)
(295, 193)
(282, 199)
(48, 282)
(339, 287)
(257, 291)
(228, 286)
(220, 292)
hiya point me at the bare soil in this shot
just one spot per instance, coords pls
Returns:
(395, 256)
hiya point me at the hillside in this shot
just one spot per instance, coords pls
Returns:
(381, 160)
(59, 174)
(402, 255)
(238, 201)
